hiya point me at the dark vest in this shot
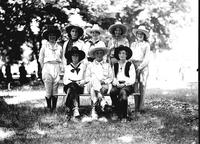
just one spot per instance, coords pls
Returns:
(126, 71)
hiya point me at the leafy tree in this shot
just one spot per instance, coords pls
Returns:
(16, 23)
(159, 16)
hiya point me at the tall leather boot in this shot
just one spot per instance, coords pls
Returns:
(54, 103)
(124, 106)
(48, 100)
(136, 100)
(141, 98)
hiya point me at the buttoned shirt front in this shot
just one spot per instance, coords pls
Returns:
(100, 71)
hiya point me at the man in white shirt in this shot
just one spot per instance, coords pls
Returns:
(99, 76)
(124, 77)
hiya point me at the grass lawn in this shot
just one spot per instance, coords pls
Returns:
(171, 118)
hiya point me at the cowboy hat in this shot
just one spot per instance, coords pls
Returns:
(80, 30)
(51, 30)
(120, 48)
(141, 29)
(95, 27)
(118, 25)
(75, 50)
(91, 53)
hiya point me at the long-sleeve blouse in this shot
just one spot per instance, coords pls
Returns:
(121, 74)
(113, 43)
(49, 53)
(100, 71)
(141, 52)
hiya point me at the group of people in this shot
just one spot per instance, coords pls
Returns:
(96, 67)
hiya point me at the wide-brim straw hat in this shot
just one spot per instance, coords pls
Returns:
(95, 27)
(120, 48)
(141, 29)
(75, 50)
(123, 27)
(49, 30)
(91, 53)
(80, 30)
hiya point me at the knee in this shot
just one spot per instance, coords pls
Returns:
(123, 95)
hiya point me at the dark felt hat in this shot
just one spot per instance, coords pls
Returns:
(50, 29)
(75, 50)
(80, 30)
(120, 48)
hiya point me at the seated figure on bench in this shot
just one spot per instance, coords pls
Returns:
(99, 76)
(74, 79)
(123, 80)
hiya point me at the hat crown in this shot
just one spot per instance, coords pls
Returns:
(118, 22)
(142, 28)
(95, 27)
(51, 28)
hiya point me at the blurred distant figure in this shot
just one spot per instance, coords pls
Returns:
(33, 76)
(1, 76)
(22, 74)
(8, 74)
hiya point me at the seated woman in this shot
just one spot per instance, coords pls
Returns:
(74, 79)
(122, 85)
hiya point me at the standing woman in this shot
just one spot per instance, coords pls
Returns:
(74, 34)
(50, 58)
(140, 58)
(95, 40)
(118, 32)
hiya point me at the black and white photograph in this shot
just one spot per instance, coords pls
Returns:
(99, 72)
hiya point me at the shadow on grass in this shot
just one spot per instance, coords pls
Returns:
(167, 120)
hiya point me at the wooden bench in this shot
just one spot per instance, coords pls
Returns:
(64, 95)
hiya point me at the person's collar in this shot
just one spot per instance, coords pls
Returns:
(120, 62)
(101, 62)
(93, 42)
(77, 65)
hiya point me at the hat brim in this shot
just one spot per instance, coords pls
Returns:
(80, 30)
(91, 53)
(89, 31)
(79, 52)
(47, 32)
(113, 27)
(120, 48)
(140, 30)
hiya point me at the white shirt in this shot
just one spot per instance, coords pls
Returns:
(113, 43)
(50, 54)
(121, 74)
(141, 52)
(100, 71)
(73, 75)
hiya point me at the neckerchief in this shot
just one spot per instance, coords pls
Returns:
(93, 43)
(77, 69)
